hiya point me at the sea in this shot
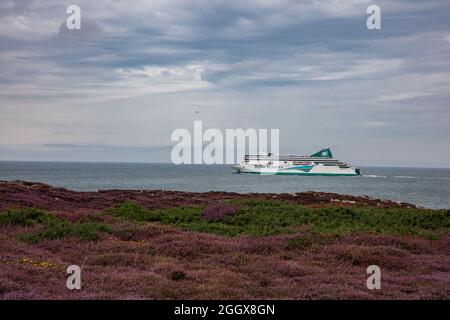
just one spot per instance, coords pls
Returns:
(426, 187)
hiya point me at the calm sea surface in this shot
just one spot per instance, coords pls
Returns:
(425, 187)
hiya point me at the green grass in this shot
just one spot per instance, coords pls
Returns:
(61, 229)
(24, 217)
(51, 227)
(254, 217)
(130, 211)
(188, 218)
(263, 218)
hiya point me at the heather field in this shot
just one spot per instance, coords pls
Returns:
(178, 245)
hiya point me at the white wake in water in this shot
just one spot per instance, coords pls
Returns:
(403, 177)
(407, 177)
(372, 176)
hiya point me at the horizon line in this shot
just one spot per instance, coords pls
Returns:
(203, 164)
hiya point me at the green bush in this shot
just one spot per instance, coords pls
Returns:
(130, 211)
(51, 227)
(264, 218)
(25, 217)
(61, 229)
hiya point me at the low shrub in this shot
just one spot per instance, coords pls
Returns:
(218, 213)
(130, 211)
(25, 217)
(265, 218)
(177, 275)
(51, 227)
(61, 229)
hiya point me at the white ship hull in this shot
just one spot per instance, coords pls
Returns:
(315, 171)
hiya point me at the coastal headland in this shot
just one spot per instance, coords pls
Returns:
(156, 244)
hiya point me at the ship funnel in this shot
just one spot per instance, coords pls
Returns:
(324, 153)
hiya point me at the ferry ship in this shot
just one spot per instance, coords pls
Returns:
(320, 163)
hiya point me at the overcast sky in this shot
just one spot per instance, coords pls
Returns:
(137, 70)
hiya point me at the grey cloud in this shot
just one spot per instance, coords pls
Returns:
(69, 145)
(89, 28)
(15, 7)
(136, 73)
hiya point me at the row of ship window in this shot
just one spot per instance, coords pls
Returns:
(261, 166)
